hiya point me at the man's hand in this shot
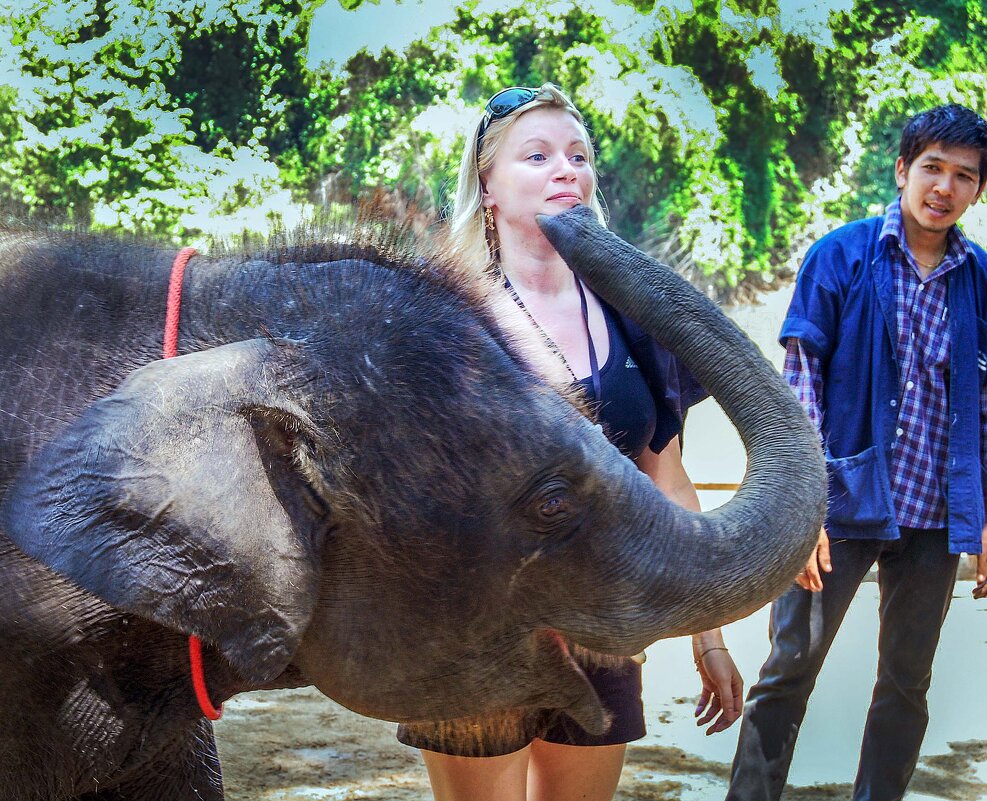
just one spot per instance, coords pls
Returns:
(980, 591)
(810, 577)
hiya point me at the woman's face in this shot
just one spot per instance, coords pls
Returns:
(541, 167)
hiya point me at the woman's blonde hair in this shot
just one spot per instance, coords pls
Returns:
(468, 234)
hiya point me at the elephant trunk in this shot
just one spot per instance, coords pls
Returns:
(759, 540)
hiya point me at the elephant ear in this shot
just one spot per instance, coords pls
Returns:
(165, 501)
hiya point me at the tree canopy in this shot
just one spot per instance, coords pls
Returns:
(728, 131)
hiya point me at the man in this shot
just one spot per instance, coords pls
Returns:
(886, 347)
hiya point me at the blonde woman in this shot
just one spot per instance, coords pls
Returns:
(531, 154)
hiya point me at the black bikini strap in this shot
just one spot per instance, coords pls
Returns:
(593, 365)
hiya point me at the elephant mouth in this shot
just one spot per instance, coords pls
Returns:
(561, 691)
(565, 662)
(560, 683)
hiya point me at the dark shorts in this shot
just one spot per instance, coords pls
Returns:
(619, 688)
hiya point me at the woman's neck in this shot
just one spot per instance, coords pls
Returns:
(535, 269)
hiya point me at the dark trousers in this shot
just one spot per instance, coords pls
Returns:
(916, 575)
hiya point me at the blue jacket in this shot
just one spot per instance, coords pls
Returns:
(843, 311)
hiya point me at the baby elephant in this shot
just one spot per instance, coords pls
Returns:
(351, 476)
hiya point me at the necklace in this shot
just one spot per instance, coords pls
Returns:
(552, 345)
(935, 263)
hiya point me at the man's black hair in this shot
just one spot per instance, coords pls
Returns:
(951, 125)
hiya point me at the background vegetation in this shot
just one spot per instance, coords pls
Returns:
(729, 131)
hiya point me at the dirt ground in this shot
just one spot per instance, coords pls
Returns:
(289, 745)
(296, 745)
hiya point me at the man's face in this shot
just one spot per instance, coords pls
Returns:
(939, 185)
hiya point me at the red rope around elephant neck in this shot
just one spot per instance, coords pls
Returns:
(172, 315)
(173, 310)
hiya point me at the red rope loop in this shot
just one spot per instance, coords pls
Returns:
(199, 680)
(173, 313)
(174, 308)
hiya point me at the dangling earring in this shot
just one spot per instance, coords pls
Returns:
(489, 220)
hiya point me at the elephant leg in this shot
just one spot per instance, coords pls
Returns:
(188, 772)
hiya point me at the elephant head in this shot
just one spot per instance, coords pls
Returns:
(383, 495)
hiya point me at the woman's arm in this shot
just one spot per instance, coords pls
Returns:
(668, 473)
(721, 698)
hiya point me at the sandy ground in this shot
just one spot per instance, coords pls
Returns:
(296, 745)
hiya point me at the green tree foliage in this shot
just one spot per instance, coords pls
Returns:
(359, 128)
(728, 130)
(152, 116)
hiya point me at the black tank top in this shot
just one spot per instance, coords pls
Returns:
(627, 409)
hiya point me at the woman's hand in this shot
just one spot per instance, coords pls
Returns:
(721, 699)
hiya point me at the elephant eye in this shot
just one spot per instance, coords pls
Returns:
(554, 507)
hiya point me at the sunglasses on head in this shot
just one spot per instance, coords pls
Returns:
(505, 102)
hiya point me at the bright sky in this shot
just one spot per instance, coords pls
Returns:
(337, 35)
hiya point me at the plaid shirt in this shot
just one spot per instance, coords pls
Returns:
(918, 458)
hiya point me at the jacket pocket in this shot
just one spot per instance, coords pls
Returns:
(858, 493)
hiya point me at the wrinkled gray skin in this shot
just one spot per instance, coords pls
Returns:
(349, 479)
